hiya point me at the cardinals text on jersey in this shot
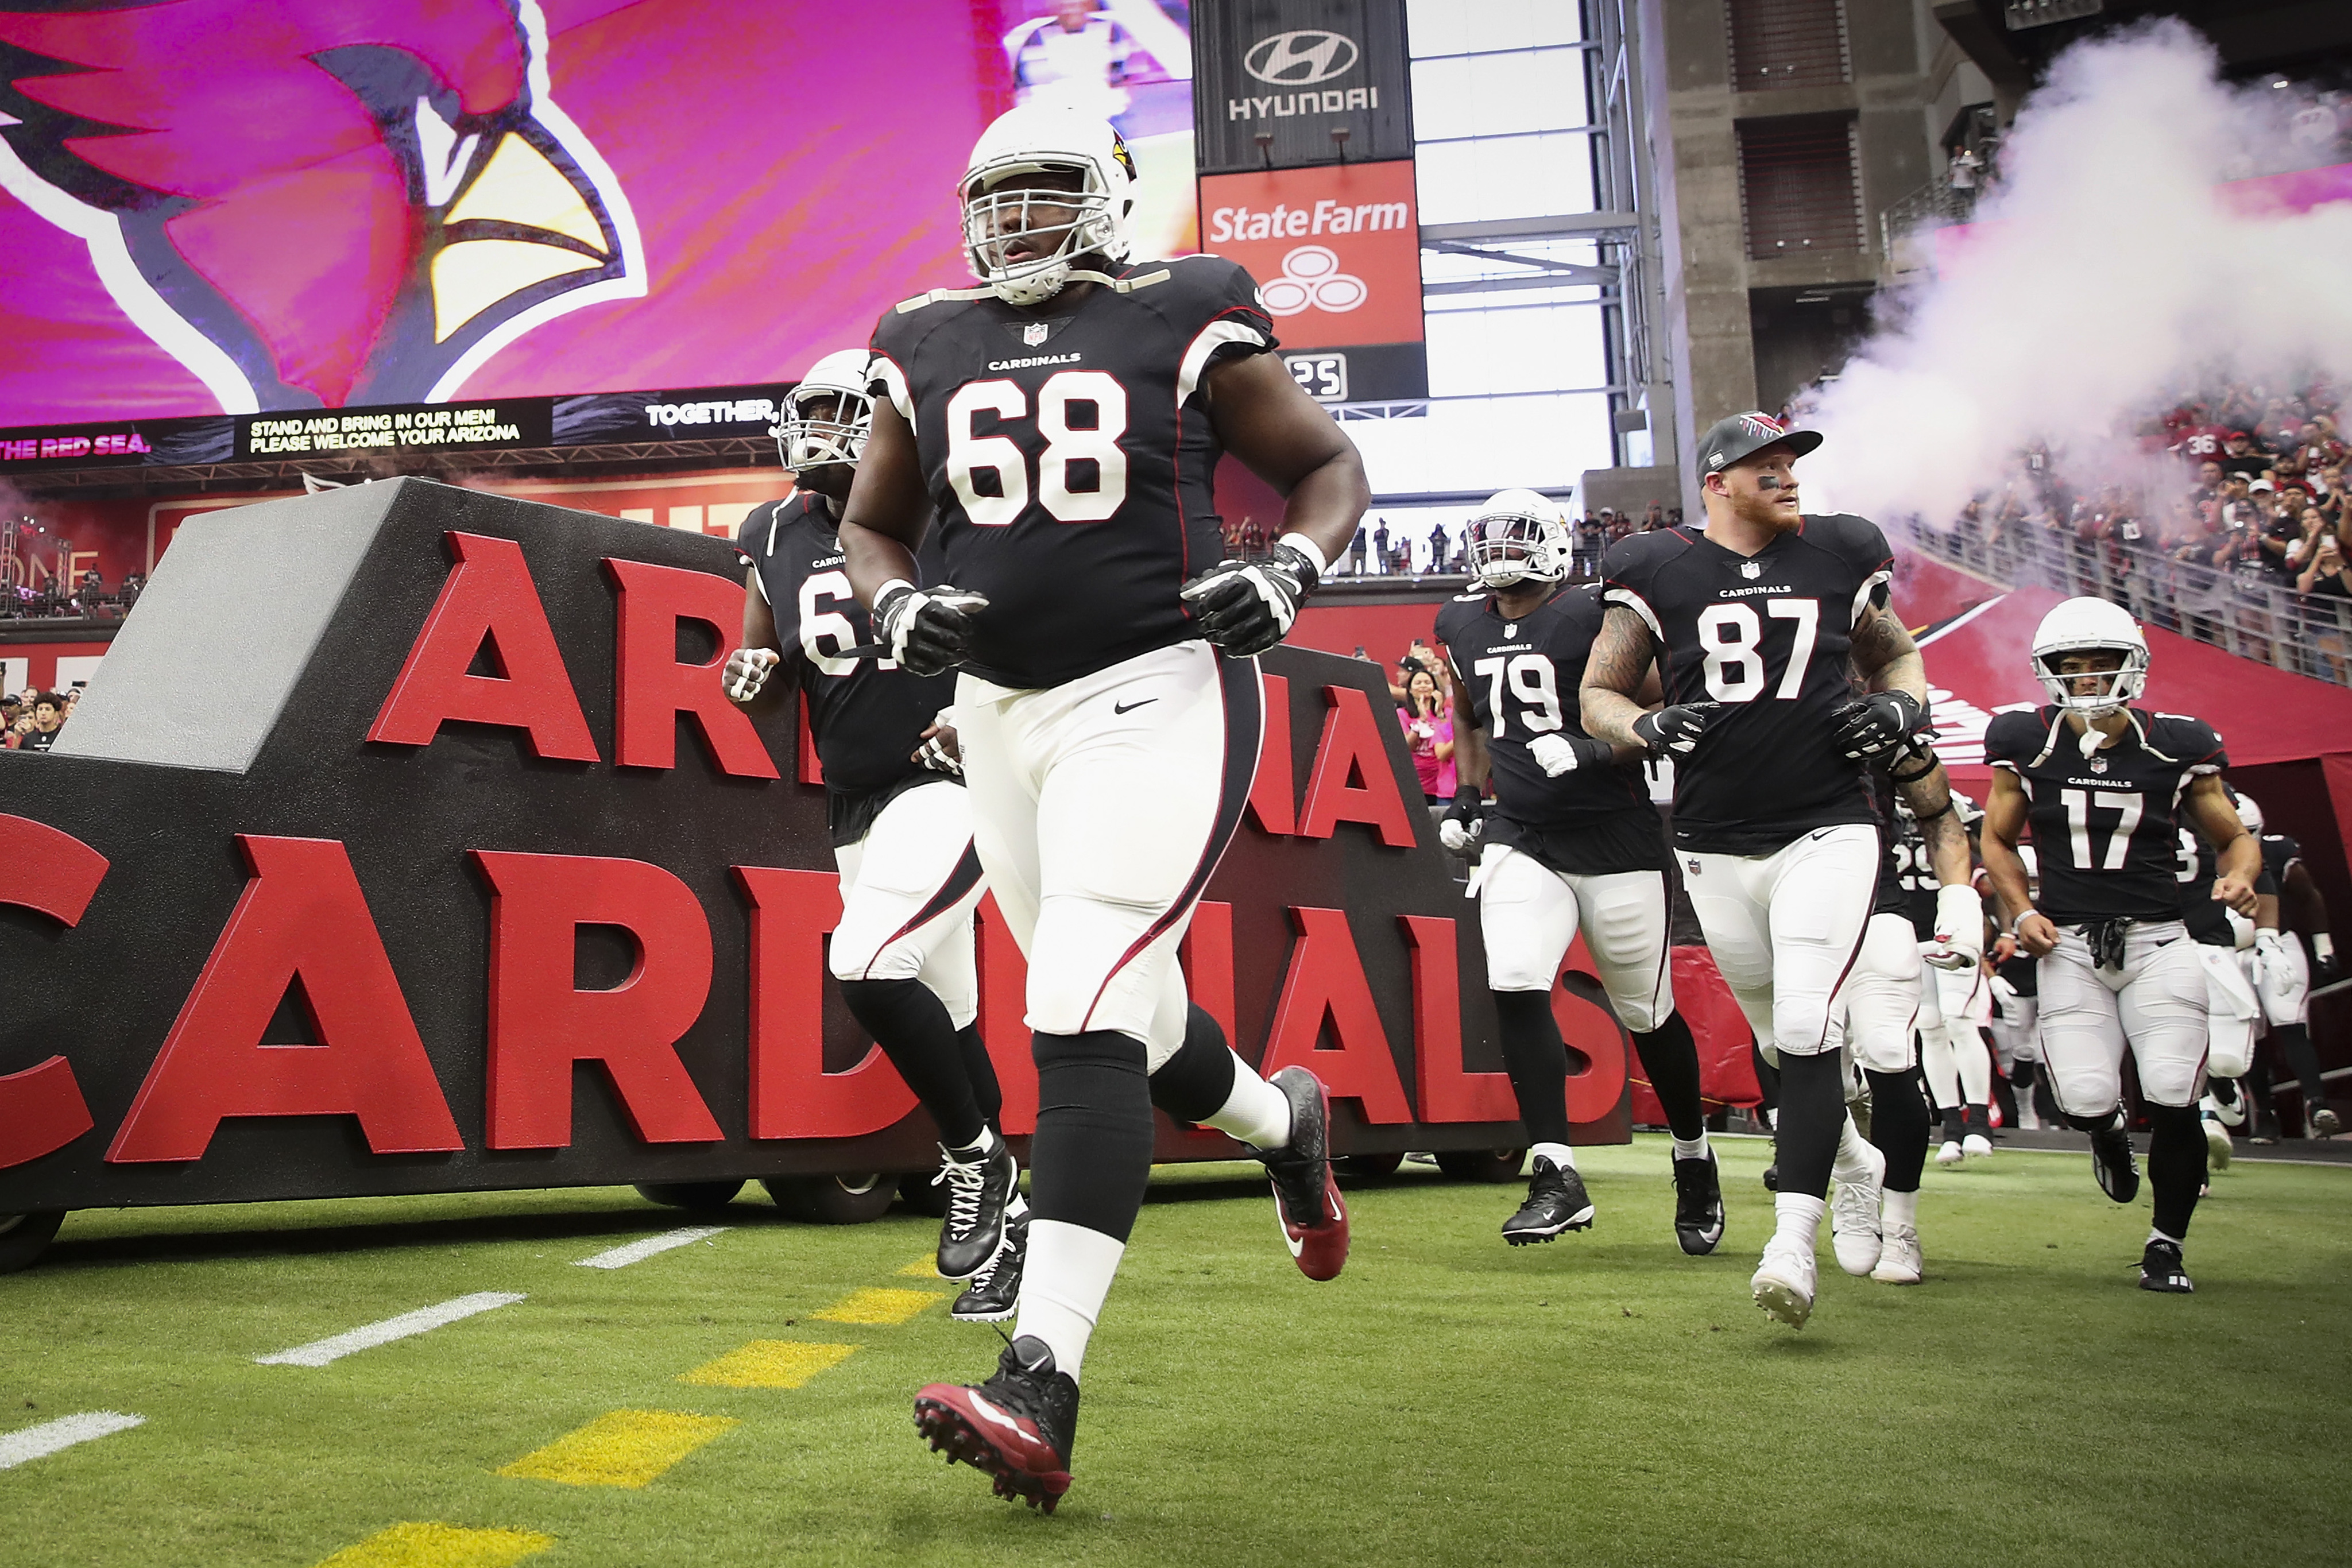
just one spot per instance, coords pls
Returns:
(2106, 828)
(1070, 457)
(1521, 679)
(1766, 636)
(866, 715)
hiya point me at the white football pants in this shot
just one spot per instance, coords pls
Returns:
(1952, 1052)
(2282, 980)
(1880, 1000)
(907, 892)
(1100, 808)
(1529, 914)
(2015, 1035)
(2230, 1009)
(2154, 1006)
(1785, 928)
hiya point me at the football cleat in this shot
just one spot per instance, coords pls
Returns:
(1556, 1201)
(1018, 1426)
(2160, 1269)
(1899, 1262)
(1772, 1176)
(1951, 1153)
(978, 1192)
(2320, 1122)
(1698, 1205)
(2231, 1111)
(995, 1291)
(1976, 1146)
(1854, 1233)
(1306, 1195)
(2217, 1148)
(1783, 1282)
(2113, 1164)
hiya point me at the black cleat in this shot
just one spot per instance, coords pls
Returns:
(1556, 1201)
(1698, 1205)
(2160, 1269)
(1772, 1176)
(1018, 1426)
(2112, 1163)
(1306, 1201)
(995, 1291)
(978, 1192)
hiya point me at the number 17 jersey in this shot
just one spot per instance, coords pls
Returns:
(1768, 637)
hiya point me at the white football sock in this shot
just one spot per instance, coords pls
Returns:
(1899, 1209)
(1799, 1218)
(1256, 1112)
(1559, 1154)
(1854, 1162)
(1773, 1117)
(1694, 1149)
(978, 1147)
(2155, 1235)
(1069, 1273)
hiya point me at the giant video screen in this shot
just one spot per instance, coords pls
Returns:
(216, 206)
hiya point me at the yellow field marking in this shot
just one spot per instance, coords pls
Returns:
(440, 1546)
(873, 1306)
(926, 1267)
(619, 1448)
(769, 1363)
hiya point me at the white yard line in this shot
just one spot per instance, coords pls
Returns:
(35, 1442)
(638, 1252)
(321, 1352)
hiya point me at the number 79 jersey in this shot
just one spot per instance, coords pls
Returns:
(2106, 827)
(1768, 636)
(1070, 457)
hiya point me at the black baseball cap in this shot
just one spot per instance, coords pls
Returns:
(1727, 440)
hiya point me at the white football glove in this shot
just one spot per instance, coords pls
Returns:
(747, 671)
(1959, 928)
(1464, 821)
(1559, 754)
(940, 751)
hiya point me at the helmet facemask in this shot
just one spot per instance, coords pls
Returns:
(995, 215)
(2121, 686)
(1507, 549)
(807, 439)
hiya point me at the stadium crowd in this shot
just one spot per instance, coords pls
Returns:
(32, 720)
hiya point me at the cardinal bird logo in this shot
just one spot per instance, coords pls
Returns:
(314, 205)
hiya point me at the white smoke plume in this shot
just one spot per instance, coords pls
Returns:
(2109, 274)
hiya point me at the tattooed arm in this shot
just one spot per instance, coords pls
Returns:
(1885, 657)
(1930, 799)
(1614, 673)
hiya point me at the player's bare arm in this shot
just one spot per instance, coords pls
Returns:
(1287, 439)
(746, 679)
(2004, 824)
(1959, 913)
(1470, 760)
(1885, 656)
(926, 629)
(2237, 855)
(1619, 670)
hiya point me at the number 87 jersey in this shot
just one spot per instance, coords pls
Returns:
(1767, 637)
(1069, 456)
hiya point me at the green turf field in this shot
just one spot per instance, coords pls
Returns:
(1449, 1400)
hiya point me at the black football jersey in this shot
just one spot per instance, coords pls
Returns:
(867, 716)
(1520, 678)
(2106, 828)
(2279, 853)
(1069, 455)
(1907, 874)
(1768, 636)
(2207, 917)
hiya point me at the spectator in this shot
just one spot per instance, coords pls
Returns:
(1381, 544)
(1439, 548)
(1429, 734)
(1588, 547)
(49, 716)
(1963, 170)
(2328, 578)
(2238, 457)
(1356, 560)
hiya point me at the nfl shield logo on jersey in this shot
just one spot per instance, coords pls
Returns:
(1512, 630)
(1751, 568)
(1036, 333)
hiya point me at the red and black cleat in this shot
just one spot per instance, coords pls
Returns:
(1018, 1426)
(1306, 1195)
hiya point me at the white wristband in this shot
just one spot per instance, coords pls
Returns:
(883, 592)
(2020, 919)
(1305, 546)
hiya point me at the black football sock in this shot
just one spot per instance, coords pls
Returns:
(1979, 1121)
(2096, 1123)
(908, 1021)
(1091, 1158)
(1899, 1125)
(1767, 1080)
(1670, 1056)
(1194, 1085)
(1813, 1117)
(2004, 1100)
(1955, 1123)
(2176, 1165)
(1537, 1060)
(2302, 1059)
(2224, 1091)
(986, 1093)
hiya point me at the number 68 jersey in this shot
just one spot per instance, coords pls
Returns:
(1768, 636)
(1069, 456)
(2106, 827)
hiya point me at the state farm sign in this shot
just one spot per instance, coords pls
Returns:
(1336, 250)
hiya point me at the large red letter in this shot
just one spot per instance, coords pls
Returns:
(1354, 748)
(792, 1096)
(1274, 793)
(1327, 983)
(1004, 1016)
(1207, 955)
(654, 688)
(539, 1025)
(488, 595)
(50, 871)
(1447, 1093)
(300, 919)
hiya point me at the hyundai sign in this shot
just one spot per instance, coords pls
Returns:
(1281, 84)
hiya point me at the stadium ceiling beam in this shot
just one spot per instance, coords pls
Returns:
(1566, 225)
(1561, 272)
(1601, 277)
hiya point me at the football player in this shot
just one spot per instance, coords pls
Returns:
(1953, 1000)
(2105, 787)
(2281, 972)
(2225, 944)
(1915, 936)
(1573, 845)
(900, 820)
(1754, 622)
(1065, 420)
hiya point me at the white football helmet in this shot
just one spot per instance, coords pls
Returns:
(2080, 625)
(809, 440)
(1045, 139)
(1517, 537)
(2248, 812)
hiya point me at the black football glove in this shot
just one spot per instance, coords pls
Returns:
(1246, 608)
(1877, 724)
(1674, 730)
(927, 629)
(1464, 821)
